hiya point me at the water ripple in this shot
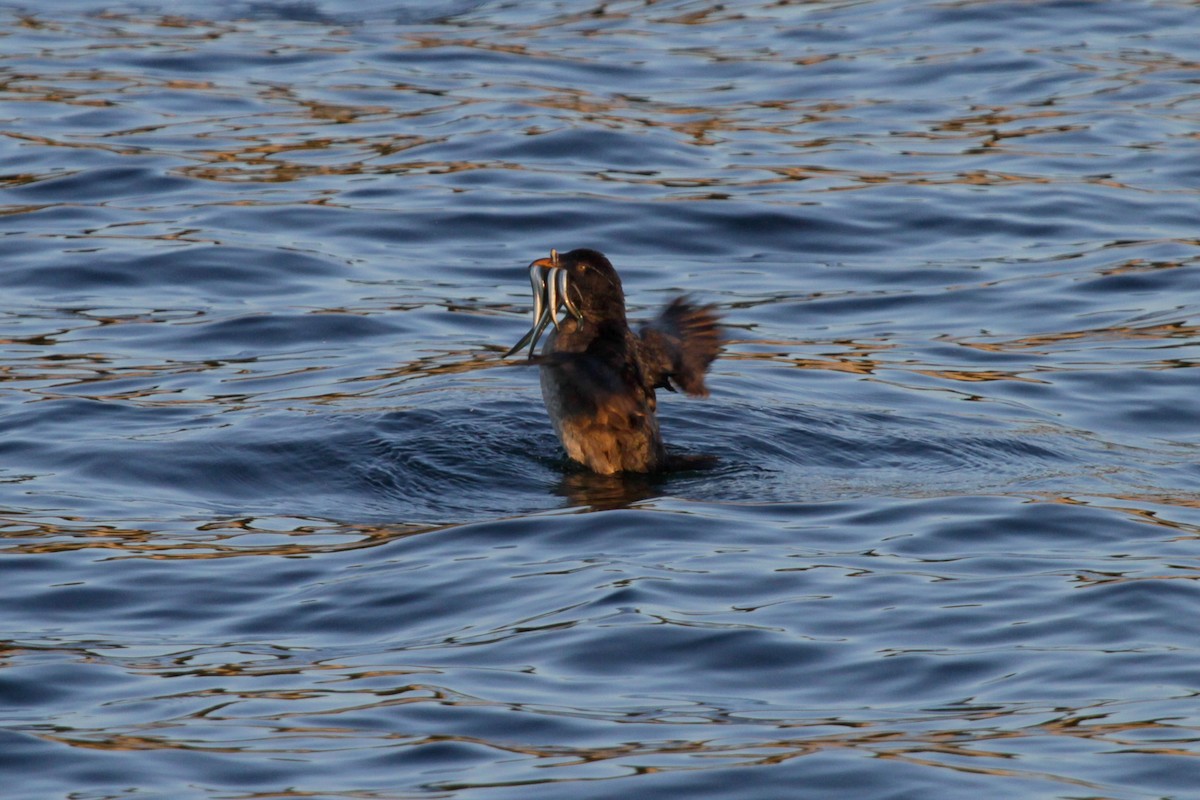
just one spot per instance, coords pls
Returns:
(276, 519)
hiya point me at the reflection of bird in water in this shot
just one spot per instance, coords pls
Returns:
(584, 489)
(598, 376)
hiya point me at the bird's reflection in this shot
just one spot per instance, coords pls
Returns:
(584, 488)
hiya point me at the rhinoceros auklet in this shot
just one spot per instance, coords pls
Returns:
(598, 376)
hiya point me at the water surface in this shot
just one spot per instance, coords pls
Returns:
(278, 521)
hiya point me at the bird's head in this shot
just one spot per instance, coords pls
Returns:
(591, 285)
(582, 281)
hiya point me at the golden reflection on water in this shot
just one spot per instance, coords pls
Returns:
(870, 357)
(978, 740)
(977, 375)
(53, 375)
(858, 358)
(286, 138)
(1049, 342)
(214, 539)
(282, 536)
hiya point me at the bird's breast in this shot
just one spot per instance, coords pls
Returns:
(601, 424)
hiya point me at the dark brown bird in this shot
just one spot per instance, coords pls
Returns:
(598, 376)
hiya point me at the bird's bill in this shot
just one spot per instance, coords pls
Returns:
(551, 285)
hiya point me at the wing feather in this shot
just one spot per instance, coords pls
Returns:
(678, 347)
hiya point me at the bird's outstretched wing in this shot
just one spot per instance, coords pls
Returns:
(678, 346)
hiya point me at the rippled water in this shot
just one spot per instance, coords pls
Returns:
(277, 521)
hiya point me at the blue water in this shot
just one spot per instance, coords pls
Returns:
(277, 521)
